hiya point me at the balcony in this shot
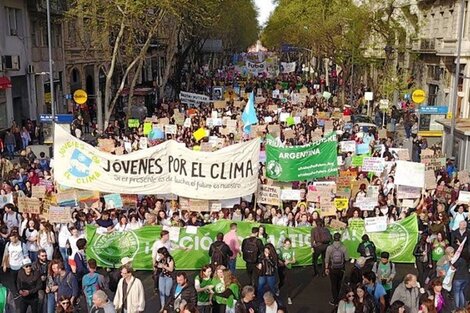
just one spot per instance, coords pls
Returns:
(425, 45)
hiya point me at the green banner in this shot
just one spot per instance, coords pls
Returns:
(108, 249)
(316, 160)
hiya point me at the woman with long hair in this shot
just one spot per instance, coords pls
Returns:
(267, 268)
(46, 238)
(363, 302)
(64, 305)
(397, 307)
(422, 253)
(227, 292)
(165, 267)
(204, 288)
(346, 304)
(439, 244)
(427, 306)
(441, 299)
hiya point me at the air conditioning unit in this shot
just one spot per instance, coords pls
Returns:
(11, 62)
(31, 69)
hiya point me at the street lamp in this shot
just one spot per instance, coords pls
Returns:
(51, 76)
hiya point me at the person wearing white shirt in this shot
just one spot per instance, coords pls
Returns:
(458, 215)
(15, 253)
(73, 243)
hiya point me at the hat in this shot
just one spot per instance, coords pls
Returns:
(26, 261)
(361, 261)
(125, 260)
(385, 255)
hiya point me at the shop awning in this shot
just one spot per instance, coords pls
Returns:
(5, 82)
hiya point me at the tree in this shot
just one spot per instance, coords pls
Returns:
(123, 30)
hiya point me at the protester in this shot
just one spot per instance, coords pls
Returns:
(204, 288)
(335, 263)
(165, 269)
(220, 252)
(231, 239)
(252, 248)
(321, 238)
(101, 303)
(28, 284)
(408, 292)
(385, 272)
(183, 294)
(130, 294)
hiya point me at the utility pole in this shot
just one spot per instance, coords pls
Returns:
(456, 80)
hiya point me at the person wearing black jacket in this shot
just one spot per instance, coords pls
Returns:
(367, 250)
(220, 252)
(458, 236)
(252, 247)
(182, 294)
(436, 290)
(28, 284)
(41, 266)
(267, 267)
(422, 253)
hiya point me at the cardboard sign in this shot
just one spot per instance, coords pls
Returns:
(215, 206)
(408, 192)
(67, 197)
(220, 104)
(375, 224)
(29, 205)
(129, 201)
(38, 192)
(171, 129)
(194, 205)
(336, 224)
(326, 207)
(289, 134)
(408, 203)
(348, 146)
(59, 215)
(164, 121)
(464, 177)
(430, 180)
(206, 146)
(179, 119)
(274, 130)
(382, 133)
(269, 195)
(86, 198)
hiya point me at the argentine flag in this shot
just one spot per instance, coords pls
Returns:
(249, 114)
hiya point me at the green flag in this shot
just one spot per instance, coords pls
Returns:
(315, 160)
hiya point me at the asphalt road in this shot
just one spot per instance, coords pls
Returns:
(309, 295)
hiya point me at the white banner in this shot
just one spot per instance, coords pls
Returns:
(372, 164)
(193, 98)
(375, 224)
(287, 68)
(166, 168)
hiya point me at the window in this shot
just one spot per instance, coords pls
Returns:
(13, 21)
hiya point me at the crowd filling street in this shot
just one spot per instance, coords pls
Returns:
(329, 185)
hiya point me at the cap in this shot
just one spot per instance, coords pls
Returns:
(26, 261)
(385, 255)
(125, 260)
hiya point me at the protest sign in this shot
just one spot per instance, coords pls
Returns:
(147, 128)
(464, 197)
(336, 224)
(409, 174)
(373, 191)
(408, 192)
(348, 146)
(327, 207)
(291, 194)
(193, 98)
(199, 205)
(274, 130)
(29, 205)
(362, 148)
(375, 224)
(171, 129)
(341, 203)
(129, 201)
(220, 104)
(357, 160)
(366, 203)
(86, 198)
(372, 164)
(133, 123)
(113, 201)
(109, 249)
(215, 206)
(179, 119)
(408, 203)
(315, 160)
(66, 197)
(38, 192)
(343, 186)
(400, 154)
(434, 163)
(59, 214)
(430, 180)
(269, 195)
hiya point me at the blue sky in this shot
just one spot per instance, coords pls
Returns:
(265, 7)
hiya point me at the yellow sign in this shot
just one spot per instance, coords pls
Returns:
(80, 96)
(341, 203)
(449, 115)
(418, 96)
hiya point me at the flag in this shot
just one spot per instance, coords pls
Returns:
(249, 114)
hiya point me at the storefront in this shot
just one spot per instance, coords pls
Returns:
(460, 144)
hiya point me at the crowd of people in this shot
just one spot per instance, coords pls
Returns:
(51, 271)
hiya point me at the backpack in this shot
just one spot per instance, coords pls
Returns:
(218, 257)
(90, 284)
(337, 258)
(325, 236)
(250, 250)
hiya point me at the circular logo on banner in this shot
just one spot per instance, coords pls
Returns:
(109, 249)
(418, 96)
(274, 169)
(80, 96)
